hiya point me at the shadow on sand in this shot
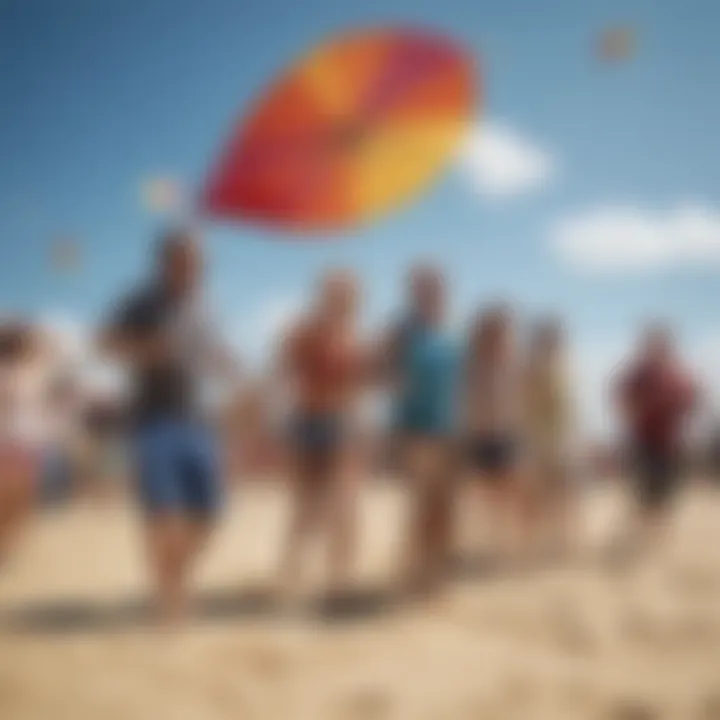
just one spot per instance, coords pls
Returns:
(257, 603)
(65, 617)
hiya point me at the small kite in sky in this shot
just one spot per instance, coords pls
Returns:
(617, 43)
(65, 255)
(162, 194)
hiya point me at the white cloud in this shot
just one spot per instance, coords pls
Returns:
(631, 239)
(501, 163)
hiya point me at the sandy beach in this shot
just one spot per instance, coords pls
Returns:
(577, 640)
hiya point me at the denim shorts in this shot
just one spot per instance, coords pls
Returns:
(178, 469)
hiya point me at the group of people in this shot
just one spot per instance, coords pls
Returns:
(491, 414)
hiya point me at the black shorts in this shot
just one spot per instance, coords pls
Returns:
(657, 475)
(318, 434)
(492, 454)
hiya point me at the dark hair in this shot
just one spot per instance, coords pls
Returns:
(170, 241)
(16, 340)
(547, 331)
(423, 273)
(487, 324)
(657, 329)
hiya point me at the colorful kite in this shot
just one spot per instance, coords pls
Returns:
(361, 124)
(65, 255)
(162, 195)
(617, 44)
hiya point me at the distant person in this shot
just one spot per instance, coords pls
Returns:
(420, 360)
(323, 364)
(656, 396)
(37, 428)
(21, 429)
(164, 333)
(549, 419)
(247, 426)
(62, 408)
(493, 422)
(715, 454)
(104, 466)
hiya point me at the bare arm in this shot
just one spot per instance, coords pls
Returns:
(224, 362)
(286, 358)
(622, 393)
(134, 333)
(383, 358)
(140, 349)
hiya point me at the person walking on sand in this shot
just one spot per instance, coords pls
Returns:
(323, 365)
(420, 361)
(493, 423)
(22, 428)
(549, 416)
(655, 397)
(164, 333)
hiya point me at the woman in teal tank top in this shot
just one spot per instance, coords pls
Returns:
(428, 367)
(424, 370)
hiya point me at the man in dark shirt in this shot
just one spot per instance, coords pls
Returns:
(656, 396)
(166, 340)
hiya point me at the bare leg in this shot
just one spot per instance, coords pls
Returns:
(305, 516)
(652, 528)
(563, 513)
(485, 500)
(342, 521)
(167, 546)
(503, 495)
(414, 551)
(430, 530)
(439, 530)
(531, 498)
(520, 541)
(494, 498)
(18, 495)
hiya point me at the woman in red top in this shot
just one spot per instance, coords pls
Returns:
(322, 361)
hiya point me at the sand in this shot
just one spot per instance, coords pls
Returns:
(578, 639)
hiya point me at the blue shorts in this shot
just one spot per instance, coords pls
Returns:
(178, 470)
(55, 476)
(423, 422)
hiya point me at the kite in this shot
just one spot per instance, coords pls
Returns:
(162, 194)
(361, 124)
(65, 255)
(617, 44)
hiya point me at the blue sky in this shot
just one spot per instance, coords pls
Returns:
(99, 95)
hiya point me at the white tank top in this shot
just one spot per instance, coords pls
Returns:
(24, 416)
